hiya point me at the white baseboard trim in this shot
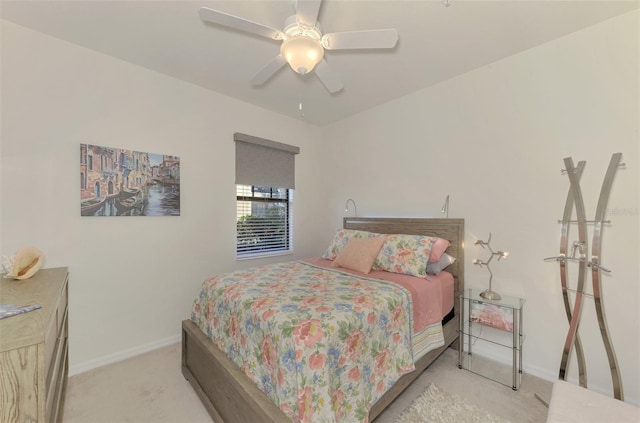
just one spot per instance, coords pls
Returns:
(547, 374)
(122, 355)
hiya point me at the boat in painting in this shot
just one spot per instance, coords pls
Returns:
(129, 192)
(91, 205)
(125, 205)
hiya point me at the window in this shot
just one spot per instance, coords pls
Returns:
(264, 191)
(263, 220)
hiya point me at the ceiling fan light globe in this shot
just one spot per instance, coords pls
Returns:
(302, 53)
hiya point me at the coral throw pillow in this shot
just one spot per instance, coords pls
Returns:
(359, 254)
(340, 240)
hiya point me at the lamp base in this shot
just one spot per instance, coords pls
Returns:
(488, 294)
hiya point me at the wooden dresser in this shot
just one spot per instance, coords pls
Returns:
(34, 348)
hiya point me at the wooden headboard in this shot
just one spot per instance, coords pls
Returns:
(449, 229)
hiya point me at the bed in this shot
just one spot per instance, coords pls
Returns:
(231, 396)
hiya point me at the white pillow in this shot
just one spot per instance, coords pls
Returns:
(440, 265)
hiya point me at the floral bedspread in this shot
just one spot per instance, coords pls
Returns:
(323, 344)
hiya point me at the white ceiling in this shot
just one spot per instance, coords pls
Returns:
(435, 43)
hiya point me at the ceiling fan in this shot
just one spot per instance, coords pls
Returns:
(302, 41)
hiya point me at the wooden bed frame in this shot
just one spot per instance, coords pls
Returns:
(230, 396)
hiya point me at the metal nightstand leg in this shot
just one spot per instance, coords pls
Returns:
(469, 334)
(516, 336)
(460, 331)
(520, 340)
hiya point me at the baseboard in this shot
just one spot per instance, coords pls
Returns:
(546, 374)
(122, 355)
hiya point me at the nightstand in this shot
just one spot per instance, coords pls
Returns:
(488, 327)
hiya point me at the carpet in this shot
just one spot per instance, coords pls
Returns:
(435, 405)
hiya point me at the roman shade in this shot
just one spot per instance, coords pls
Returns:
(261, 162)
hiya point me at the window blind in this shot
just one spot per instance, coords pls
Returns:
(263, 162)
(264, 216)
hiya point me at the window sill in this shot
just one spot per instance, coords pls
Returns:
(263, 255)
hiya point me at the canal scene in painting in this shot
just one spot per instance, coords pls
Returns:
(119, 182)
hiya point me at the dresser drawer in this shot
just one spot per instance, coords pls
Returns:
(54, 364)
(54, 332)
(62, 306)
(58, 382)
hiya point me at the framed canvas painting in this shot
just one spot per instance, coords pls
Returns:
(119, 182)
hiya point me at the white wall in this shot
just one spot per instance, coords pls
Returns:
(495, 140)
(132, 280)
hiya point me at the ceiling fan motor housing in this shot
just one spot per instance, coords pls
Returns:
(293, 27)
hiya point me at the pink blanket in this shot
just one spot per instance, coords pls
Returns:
(427, 294)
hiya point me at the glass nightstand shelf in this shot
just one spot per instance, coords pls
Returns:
(485, 325)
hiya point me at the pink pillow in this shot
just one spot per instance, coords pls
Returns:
(359, 254)
(438, 247)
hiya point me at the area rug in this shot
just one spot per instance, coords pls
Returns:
(435, 405)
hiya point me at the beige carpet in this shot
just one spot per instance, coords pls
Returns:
(150, 388)
(435, 405)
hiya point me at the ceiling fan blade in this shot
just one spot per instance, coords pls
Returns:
(225, 19)
(376, 38)
(328, 77)
(307, 12)
(268, 71)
